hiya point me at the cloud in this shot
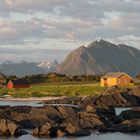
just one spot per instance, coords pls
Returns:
(13, 32)
(32, 55)
(34, 30)
(33, 21)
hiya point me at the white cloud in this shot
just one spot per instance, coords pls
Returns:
(24, 22)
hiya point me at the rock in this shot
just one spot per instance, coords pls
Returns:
(3, 127)
(130, 114)
(112, 90)
(127, 126)
(133, 129)
(60, 133)
(114, 100)
(108, 117)
(70, 129)
(66, 111)
(26, 124)
(72, 101)
(42, 130)
(132, 100)
(89, 100)
(134, 91)
(131, 122)
(90, 109)
(73, 121)
(12, 128)
(35, 131)
(81, 133)
(9, 128)
(38, 116)
(45, 129)
(53, 114)
(89, 120)
(23, 119)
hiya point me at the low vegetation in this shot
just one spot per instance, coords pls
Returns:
(55, 90)
(59, 78)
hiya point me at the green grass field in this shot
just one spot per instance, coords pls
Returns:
(72, 89)
(43, 90)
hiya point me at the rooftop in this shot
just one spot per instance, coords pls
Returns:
(20, 82)
(114, 74)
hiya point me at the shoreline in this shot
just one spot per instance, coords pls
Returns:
(31, 99)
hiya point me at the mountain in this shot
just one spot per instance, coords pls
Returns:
(20, 69)
(49, 66)
(27, 68)
(101, 57)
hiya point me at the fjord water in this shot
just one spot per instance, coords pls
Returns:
(20, 103)
(108, 136)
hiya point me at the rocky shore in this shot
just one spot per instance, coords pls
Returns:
(94, 113)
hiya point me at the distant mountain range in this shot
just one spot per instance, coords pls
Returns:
(101, 57)
(48, 66)
(27, 68)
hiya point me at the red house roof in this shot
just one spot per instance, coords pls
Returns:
(17, 84)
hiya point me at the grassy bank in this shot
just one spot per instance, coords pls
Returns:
(57, 89)
(43, 90)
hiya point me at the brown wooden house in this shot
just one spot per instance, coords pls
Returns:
(17, 84)
(116, 78)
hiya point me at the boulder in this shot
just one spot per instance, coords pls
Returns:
(60, 133)
(3, 127)
(42, 130)
(53, 114)
(81, 133)
(130, 114)
(89, 120)
(12, 127)
(70, 129)
(90, 109)
(66, 112)
(112, 90)
(134, 91)
(9, 128)
(38, 116)
(131, 122)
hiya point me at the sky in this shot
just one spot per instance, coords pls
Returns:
(28, 28)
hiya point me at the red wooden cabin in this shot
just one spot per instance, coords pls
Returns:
(17, 84)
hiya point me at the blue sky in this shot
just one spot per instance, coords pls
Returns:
(38, 25)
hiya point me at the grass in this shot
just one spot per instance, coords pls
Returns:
(56, 89)
(70, 90)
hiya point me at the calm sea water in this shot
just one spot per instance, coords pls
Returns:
(94, 136)
(108, 136)
(20, 103)
(121, 109)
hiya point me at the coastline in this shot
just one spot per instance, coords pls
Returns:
(31, 98)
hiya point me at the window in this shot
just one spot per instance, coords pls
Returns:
(125, 81)
(119, 81)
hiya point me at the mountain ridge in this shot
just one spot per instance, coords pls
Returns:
(100, 57)
(25, 68)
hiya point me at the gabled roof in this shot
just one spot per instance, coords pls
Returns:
(115, 75)
(19, 82)
(2, 75)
